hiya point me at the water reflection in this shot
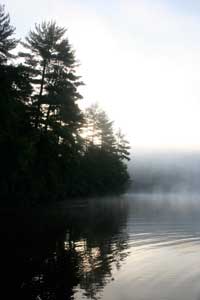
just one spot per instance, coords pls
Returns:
(141, 246)
(71, 250)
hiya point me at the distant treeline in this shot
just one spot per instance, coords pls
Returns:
(50, 149)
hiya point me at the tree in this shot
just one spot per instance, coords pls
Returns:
(14, 82)
(52, 67)
(99, 132)
(104, 165)
(90, 129)
(51, 62)
(42, 153)
(122, 146)
(99, 129)
(106, 134)
(15, 90)
(54, 112)
(7, 42)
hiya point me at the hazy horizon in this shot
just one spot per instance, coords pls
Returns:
(165, 172)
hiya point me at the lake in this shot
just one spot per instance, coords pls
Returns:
(137, 246)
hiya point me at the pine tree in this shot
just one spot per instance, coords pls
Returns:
(99, 129)
(122, 146)
(90, 129)
(7, 42)
(106, 134)
(14, 82)
(15, 91)
(104, 167)
(42, 156)
(51, 62)
(54, 112)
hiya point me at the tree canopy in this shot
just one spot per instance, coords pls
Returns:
(50, 148)
(7, 41)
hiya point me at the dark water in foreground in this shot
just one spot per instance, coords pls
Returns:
(142, 247)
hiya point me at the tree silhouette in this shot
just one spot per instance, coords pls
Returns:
(122, 146)
(51, 62)
(104, 160)
(50, 149)
(7, 42)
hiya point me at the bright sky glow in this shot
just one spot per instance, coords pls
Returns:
(140, 59)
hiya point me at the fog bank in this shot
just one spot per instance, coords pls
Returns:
(165, 172)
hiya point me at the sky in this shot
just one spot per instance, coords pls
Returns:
(140, 59)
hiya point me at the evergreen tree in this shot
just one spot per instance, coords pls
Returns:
(104, 166)
(90, 130)
(122, 146)
(99, 129)
(54, 112)
(7, 42)
(42, 153)
(14, 82)
(106, 134)
(51, 62)
(15, 90)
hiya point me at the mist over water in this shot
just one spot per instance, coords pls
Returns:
(164, 230)
(162, 249)
(161, 172)
(164, 239)
(139, 246)
(144, 245)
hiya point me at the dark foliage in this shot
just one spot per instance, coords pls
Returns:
(48, 151)
(7, 42)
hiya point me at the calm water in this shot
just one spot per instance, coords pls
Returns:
(142, 247)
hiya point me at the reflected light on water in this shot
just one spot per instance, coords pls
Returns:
(140, 246)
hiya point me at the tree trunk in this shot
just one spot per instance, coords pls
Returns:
(47, 118)
(40, 95)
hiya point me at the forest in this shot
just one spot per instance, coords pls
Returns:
(51, 149)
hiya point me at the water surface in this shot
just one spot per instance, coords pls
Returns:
(143, 247)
